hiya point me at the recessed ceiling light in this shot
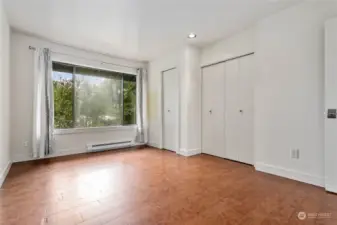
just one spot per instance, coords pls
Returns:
(192, 35)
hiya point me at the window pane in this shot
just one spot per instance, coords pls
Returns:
(87, 97)
(63, 96)
(98, 98)
(129, 92)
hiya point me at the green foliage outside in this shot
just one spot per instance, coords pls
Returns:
(129, 102)
(98, 104)
(63, 104)
(95, 105)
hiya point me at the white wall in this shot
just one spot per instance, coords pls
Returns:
(187, 62)
(288, 99)
(190, 101)
(239, 44)
(331, 103)
(4, 95)
(22, 97)
(156, 67)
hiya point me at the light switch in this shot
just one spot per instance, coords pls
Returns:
(332, 113)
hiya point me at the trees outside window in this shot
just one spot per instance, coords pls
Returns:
(129, 97)
(86, 97)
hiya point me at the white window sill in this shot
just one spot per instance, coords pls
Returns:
(92, 129)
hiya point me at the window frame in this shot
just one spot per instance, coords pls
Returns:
(74, 130)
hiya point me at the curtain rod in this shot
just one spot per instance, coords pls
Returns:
(102, 62)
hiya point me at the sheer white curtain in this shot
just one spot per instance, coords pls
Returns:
(141, 106)
(42, 104)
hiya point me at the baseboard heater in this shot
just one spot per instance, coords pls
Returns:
(108, 146)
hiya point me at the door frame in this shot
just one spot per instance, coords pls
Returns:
(201, 109)
(330, 128)
(162, 109)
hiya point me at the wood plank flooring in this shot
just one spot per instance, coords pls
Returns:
(155, 187)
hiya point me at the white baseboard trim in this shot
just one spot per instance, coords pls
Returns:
(59, 152)
(331, 187)
(291, 174)
(155, 145)
(20, 158)
(70, 151)
(189, 152)
(4, 173)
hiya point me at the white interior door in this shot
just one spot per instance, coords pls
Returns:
(213, 123)
(246, 111)
(240, 79)
(233, 107)
(170, 110)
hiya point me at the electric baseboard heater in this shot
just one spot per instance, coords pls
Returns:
(109, 146)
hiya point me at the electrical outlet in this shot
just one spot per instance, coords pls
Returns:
(25, 143)
(295, 153)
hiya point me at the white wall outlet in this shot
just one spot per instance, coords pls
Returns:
(295, 153)
(25, 144)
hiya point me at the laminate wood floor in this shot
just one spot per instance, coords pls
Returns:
(155, 187)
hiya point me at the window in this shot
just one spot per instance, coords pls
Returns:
(86, 97)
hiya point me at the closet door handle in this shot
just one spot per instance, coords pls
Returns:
(241, 111)
(210, 111)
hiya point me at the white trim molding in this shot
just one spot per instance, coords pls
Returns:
(331, 187)
(93, 129)
(57, 153)
(289, 173)
(19, 157)
(189, 152)
(4, 173)
(155, 145)
(65, 152)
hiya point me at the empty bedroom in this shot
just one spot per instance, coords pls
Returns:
(175, 112)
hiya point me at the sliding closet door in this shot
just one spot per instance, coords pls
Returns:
(213, 92)
(246, 120)
(239, 109)
(233, 107)
(170, 110)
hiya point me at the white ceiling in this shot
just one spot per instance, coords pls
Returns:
(136, 29)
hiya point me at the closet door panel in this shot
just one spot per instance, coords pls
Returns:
(213, 86)
(170, 109)
(232, 115)
(246, 121)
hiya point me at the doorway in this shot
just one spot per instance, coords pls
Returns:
(170, 110)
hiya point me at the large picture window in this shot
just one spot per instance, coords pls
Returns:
(86, 97)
